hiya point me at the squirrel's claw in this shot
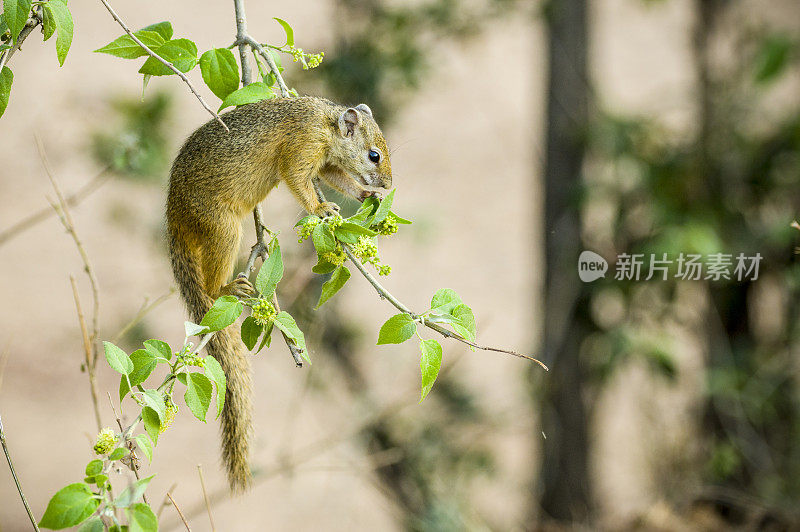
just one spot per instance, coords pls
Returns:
(240, 287)
(326, 209)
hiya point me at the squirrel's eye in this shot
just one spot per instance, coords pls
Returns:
(374, 156)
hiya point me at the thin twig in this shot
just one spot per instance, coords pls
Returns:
(205, 497)
(134, 465)
(14, 475)
(165, 502)
(66, 219)
(188, 528)
(143, 311)
(255, 45)
(87, 349)
(167, 64)
(46, 212)
(384, 294)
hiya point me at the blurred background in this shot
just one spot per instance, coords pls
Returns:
(522, 133)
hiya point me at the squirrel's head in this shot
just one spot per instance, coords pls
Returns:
(361, 148)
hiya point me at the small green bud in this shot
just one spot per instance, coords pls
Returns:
(336, 258)
(263, 312)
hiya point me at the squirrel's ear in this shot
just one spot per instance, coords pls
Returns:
(364, 108)
(348, 122)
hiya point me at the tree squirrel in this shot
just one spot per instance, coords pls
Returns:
(219, 177)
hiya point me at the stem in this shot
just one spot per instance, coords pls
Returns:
(16, 480)
(270, 61)
(179, 512)
(167, 64)
(205, 498)
(384, 294)
(29, 26)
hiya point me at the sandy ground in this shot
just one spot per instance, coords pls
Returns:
(466, 169)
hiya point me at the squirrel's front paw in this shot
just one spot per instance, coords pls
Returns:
(371, 194)
(240, 287)
(327, 209)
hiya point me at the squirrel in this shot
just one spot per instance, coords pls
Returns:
(219, 176)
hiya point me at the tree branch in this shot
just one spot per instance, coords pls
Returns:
(32, 22)
(255, 45)
(167, 64)
(384, 294)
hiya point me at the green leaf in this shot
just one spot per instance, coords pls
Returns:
(152, 425)
(63, 20)
(773, 57)
(251, 330)
(118, 453)
(285, 322)
(383, 209)
(193, 329)
(145, 446)
(444, 301)
(132, 493)
(400, 219)
(289, 31)
(117, 359)
(124, 388)
(95, 524)
(332, 285)
(6, 79)
(429, 364)
(70, 506)
(158, 348)
(397, 329)
(48, 23)
(181, 53)
(323, 266)
(220, 71)
(214, 372)
(324, 241)
(349, 232)
(270, 273)
(95, 467)
(142, 519)
(16, 14)
(306, 219)
(226, 310)
(163, 29)
(198, 394)
(254, 92)
(266, 339)
(465, 324)
(143, 365)
(155, 400)
(126, 48)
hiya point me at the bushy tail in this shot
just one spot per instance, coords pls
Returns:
(227, 348)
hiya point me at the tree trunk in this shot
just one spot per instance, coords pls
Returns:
(564, 479)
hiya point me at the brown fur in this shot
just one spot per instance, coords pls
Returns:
(219, 177)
